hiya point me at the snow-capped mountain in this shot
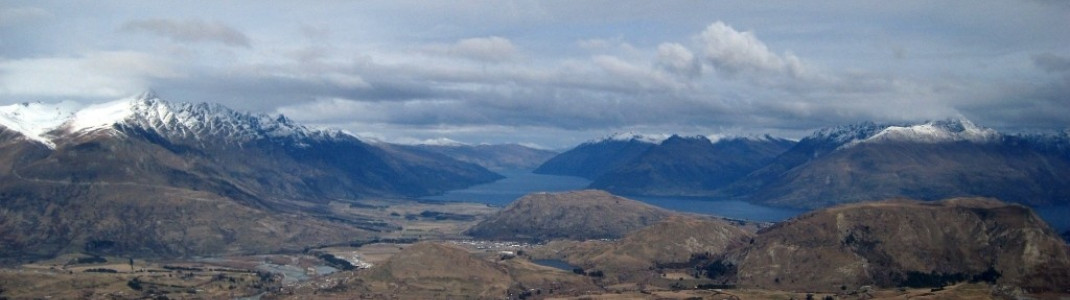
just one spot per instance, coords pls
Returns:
(929, 160)
(179, 121)
(955, 130)
(632, 136)
(951, 130)
(715, 138)
(596, 157)
(229, 179)
(35, 120)
(691, 166)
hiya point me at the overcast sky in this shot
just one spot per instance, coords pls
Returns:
(555, 73)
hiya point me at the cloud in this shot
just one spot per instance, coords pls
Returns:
(1051, 63)
(486, 49)
(677, 59)
(96, 74)
(190, 31)
(731, 52)
(12, 16)
(554, 72)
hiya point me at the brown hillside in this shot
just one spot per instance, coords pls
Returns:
(634, 258)
(580, 215)
(675, 239)
(891, 243)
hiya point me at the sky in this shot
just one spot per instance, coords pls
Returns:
(555, 73)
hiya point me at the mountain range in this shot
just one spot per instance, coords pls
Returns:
(850, 163)
(595, 158)
(145, 177)
(927, 161)
(690, 166)
(495, 157)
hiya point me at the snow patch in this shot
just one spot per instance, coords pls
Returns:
(932, 132)
(442, 141)
(99, 116)
(630, 136)
(715, 138)
(35, 120)
(41, 122)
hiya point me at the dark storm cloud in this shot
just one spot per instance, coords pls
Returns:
(1051, 62)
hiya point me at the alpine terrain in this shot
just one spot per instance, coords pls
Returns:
(927, 161)
(142, 176)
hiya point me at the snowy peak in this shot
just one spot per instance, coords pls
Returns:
(718, 138)
(632, 136)
(180, 121)
(955, 130)
(931, 132)
(442, 141)
(938, 132)
(36, 120)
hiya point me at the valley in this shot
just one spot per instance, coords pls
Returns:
(730, 150)
(424, 244)
(190, 201)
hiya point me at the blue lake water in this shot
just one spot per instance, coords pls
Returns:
(522, 182)
(1058, 216)
(555, 263)
(516, 184)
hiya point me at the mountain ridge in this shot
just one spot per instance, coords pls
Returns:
(861, 161)
(161, 160)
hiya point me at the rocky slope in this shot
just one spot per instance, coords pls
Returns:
(904, 243)
(638, 256)
(429, 264)
(580, 215)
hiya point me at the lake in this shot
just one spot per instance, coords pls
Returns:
(518, 183)
(555, 263)
(522, 182)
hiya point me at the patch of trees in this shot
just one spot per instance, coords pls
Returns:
(718, 268)
(135, 284)
(385, 241)
(100, 270)
(336, 262)
(181, 268)
(597, 273)
(88, 260)
(529, 293)
(357, 244)
(100, 246)
(439, 216)
(916, 279)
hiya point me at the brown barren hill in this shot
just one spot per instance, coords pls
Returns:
(907, 243)
(670, 242)
(433, 270)
(677, 238)
(579, 215)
